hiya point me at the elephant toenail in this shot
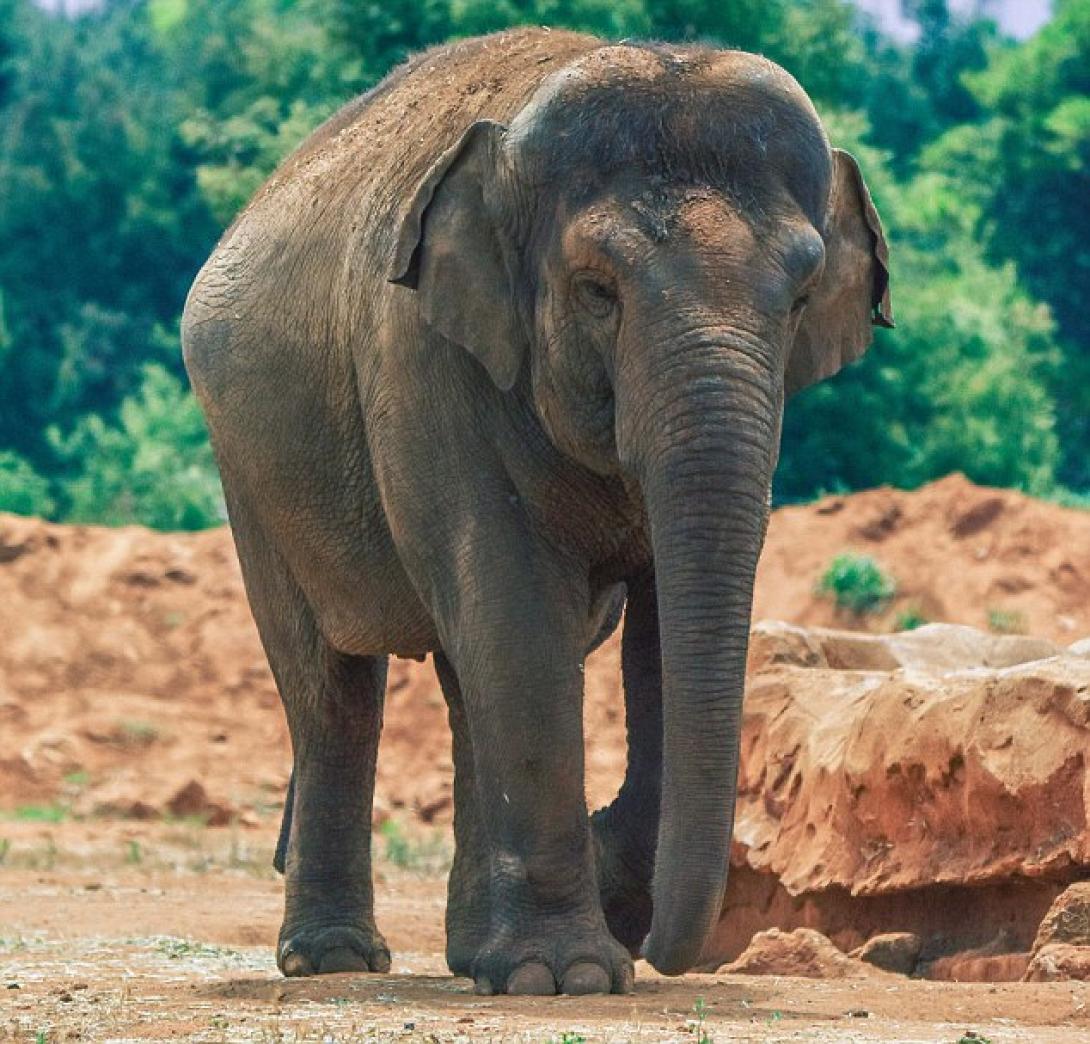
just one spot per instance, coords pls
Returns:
(627, 980)
(380, 961)
(531, 979)
(342, 959)
(585, 977)
(294, 964)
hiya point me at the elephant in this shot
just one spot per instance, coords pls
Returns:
(505, 342)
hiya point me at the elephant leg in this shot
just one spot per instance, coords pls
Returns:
(333, 704)
(625, 832)
(468, 910)
(335, 716)
(519, 663)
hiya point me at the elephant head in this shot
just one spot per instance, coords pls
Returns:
(658, 248)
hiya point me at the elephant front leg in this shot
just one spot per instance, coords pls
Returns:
(625, 832)
(519, 662)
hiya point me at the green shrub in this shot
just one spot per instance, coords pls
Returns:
(155, 468)
(909, 619)
(22, 490)
(856, 583)
(1006, 621)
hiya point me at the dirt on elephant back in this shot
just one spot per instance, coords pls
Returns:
(145, 760)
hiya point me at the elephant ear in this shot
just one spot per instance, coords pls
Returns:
(452, 251)
(853, 293)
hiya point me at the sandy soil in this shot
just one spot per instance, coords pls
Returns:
(172, 939)
(130, 671)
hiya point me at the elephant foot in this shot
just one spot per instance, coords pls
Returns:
(332, 948)
(561, 958)
(466, 937)
(624, 869)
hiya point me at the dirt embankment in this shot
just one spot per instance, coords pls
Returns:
(129, 665)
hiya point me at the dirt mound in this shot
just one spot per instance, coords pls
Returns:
(803, 952)
(129, 665)
(959, 553)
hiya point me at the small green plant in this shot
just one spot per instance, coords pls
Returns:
(972, 1037)
(134, 854)
(78, 779)
(568, 1037)
(5, 848)
(698, 1026)
(857, 583)
(1006, 621)
(421, 856)
(137, 733)
(909, 619)
(41, 813)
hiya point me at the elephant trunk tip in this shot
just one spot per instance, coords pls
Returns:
(671, 956)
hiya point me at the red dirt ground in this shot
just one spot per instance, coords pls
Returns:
(130, 670)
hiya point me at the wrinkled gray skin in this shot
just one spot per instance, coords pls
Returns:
(506, 339)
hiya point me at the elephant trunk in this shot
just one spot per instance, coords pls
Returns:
(704, 459)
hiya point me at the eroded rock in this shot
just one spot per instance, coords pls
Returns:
(893, 952)
(1059, 962)
(934, 782)
(803, 952)
(1068, 919)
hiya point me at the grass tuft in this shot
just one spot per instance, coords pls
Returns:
(857, 583)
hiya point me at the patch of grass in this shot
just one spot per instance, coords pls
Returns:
(78, 779)
(1006, 621)
(134, 733)
(5, 848)
(430, 854)
(41, 813)
(909, 618)
(857, 583)
(134, 854)
(176, 949)
(568, 1037)
(972, 1037)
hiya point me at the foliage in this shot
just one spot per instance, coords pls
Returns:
(857, 583)
(132, 131)
(22, 490)
(961, 384)
(1026, 166)
(698, 1025)
(429, 854)
(1006, 621)
(910, 619)
(154, 467)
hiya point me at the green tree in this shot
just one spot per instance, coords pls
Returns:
(1026, 167)
(961, 384)
(155, 467)
(100, 215)
(22, 490)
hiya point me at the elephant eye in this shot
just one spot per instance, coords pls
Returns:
(594, 294)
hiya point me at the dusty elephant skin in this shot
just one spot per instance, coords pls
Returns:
(505, 340)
